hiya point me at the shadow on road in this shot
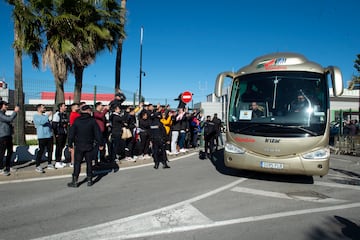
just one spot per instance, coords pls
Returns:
(101, 170)
(218, 161)
(354, 178)
(341, 228)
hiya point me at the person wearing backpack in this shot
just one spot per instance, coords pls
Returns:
(218, 135)
(209, 136)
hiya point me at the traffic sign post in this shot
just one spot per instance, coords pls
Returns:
(186, 97)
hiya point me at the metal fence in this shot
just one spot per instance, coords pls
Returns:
(341, 140)
(34, 89)
(346, 145)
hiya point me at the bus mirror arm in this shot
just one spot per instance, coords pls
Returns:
(220, 82)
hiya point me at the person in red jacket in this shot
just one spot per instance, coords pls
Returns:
(99, 115)
(75, 113)
(75, 108)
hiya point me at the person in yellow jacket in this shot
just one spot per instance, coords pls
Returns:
(166, 120)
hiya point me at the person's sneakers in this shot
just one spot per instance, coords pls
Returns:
(4, 172)
(71, 165)
(130, 159)
(50, 167)
(39, 169)
(60, 165)
(173, 153)
(183, 150)
(147, 156)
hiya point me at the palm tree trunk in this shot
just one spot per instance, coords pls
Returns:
(79, 70)
(118, 66)
(119, 49)
(60, 95)
(19, 92)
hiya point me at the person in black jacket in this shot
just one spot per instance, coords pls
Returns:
(60, 128)
(218, 135)
(158, 139)
(117, 101)
(209, 136)
(84, 134)
(144, 126)
(117, 119)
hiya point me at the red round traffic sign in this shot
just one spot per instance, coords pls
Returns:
(186, 97)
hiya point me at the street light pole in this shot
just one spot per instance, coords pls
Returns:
(141, 72)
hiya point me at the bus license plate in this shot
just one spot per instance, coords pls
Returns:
(271, 165)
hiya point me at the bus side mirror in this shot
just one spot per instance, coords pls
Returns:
(220, 82)
(336, 79)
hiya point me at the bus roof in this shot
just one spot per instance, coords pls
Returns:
(281, 61)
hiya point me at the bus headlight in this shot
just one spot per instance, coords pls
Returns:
(233, 149)
(318, 154)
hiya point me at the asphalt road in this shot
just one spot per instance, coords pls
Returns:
(194, 199)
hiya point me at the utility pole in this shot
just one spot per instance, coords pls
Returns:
(141, 71)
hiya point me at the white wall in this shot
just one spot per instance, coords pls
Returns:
(209, 108)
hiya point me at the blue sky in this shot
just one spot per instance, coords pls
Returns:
(187, 43)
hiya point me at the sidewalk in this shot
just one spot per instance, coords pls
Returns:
(26, 169)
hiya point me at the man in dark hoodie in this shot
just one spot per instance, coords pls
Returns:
(158, 140)
(84, 134)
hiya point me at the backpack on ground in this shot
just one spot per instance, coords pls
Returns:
(202, 155)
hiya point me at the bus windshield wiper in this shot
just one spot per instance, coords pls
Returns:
(312, 133)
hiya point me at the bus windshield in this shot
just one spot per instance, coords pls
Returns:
(283, 104)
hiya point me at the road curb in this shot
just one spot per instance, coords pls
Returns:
(26, 171)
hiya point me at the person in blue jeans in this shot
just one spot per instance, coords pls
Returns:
(44, 135)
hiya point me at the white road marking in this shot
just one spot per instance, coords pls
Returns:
(343, 176)
(185, 215)
(84, 174)
(286, 196)
(340, 160)
(122, 227)
(337, 185)
(261, 192)
(236, 221)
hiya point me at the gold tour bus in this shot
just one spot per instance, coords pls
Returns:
(278, 115)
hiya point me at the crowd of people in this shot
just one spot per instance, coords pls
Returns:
(114, 132)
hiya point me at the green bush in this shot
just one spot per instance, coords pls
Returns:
(32, 142)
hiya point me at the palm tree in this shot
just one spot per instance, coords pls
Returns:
(59, 67)
(99, 29)
(57, 24)
(88, 37)
(72, 32)
(37, 18)
(19, 92)
(25, 38)
(357, 63)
